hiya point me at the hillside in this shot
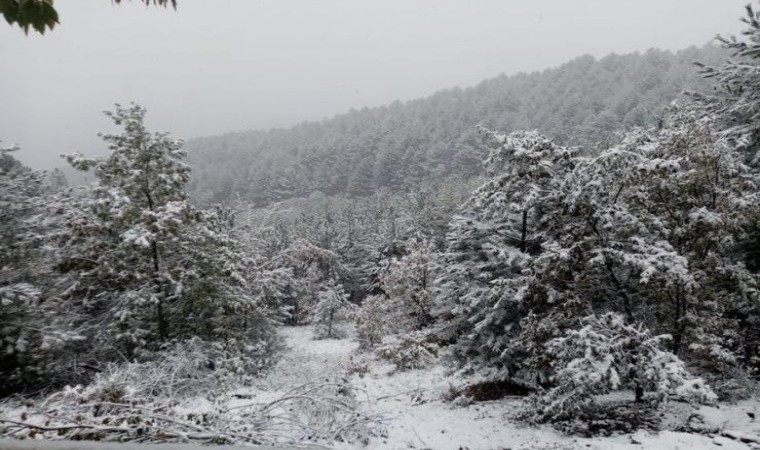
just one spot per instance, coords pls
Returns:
(399, 145)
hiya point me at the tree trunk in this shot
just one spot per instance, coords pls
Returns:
(524, 234)
(160, 318)
(639, 390)
(160, 291)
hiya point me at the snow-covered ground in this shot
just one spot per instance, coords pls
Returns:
(413, 411)
(417, 417)
(39, 444)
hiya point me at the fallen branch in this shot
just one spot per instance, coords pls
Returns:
(740, 436)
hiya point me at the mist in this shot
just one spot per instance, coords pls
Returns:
(228, 65)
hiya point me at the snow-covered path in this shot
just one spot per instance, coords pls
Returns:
(417, 417)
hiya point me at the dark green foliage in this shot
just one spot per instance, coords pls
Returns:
(41, 15)
(37, 14)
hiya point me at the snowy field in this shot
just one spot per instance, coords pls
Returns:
(414, 414)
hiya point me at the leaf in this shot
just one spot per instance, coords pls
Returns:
(51, 14)
(9, 9)
(38, 14)
(41, 15)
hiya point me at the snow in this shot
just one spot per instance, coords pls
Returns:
(11, 444)
(416, 417)
(414, 414)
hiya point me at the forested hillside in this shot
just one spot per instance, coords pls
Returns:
(396, 146)
(567, 257)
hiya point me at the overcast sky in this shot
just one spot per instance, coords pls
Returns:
(215, 66)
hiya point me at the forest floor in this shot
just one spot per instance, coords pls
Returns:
(413, 409)
(416, 414)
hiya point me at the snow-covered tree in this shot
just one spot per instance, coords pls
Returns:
(405, 300)
(412, 350)
(484, 267)
(735, 107)
(706, 198)
(598, 251)
(649, 228)
(32, 327)
(144, 266)
(311, 267)
(609, 354)
(331, 309)
(408, 283)
(737, 102)
(375, 319)
(20, 189)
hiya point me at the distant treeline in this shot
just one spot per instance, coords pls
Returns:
(397, 146)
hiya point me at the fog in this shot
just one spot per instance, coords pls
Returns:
(228, 65)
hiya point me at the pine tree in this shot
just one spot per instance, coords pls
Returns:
(649, 229)
(33, 331)
(361, 182)
(484, 268)
(311, 267)
(609, 354)
(737, 103)
(597, 251)
(736, 106)
(408, 283)
(144, 265)
(333, 306)
(375, 319)
(704, 194)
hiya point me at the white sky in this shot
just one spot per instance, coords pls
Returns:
(227, 65)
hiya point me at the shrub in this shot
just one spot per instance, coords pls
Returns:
(607, 354)
(374, 321)
(408, 351)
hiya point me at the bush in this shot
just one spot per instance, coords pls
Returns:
(408, 351)
(374, 321)
(188, 369)
(494, 390)
(607, 354)
(34, 344)
(329, 312)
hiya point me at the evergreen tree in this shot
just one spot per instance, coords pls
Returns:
(648, 229)
(408, 283)
(33, 329)
(311, 267)
(144, 265)
(608, 354)
(737, 103)
(333, 306)
(484, 268)
(375, 319)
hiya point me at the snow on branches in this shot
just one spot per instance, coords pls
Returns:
(607, 354)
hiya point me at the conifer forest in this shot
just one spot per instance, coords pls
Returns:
(566, 258)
